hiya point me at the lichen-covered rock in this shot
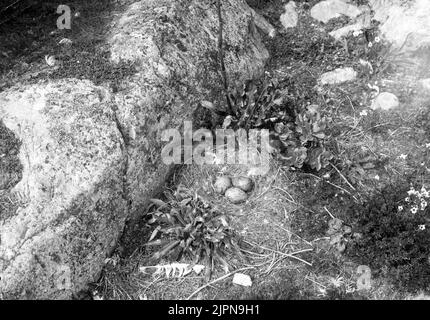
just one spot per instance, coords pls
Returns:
(290, 17)
(176, 50)
(91, 158)
(326, 10)
(406, 24)
(72, 208)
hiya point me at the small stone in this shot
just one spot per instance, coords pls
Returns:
(236, 195)
(339, 75)
(324, 11)
(385, 101)
(290, 17)
(345, 31)
(242, 279)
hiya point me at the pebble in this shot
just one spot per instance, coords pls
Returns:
(339, 75)
(385, 101)
(242, 279)
(290, 17)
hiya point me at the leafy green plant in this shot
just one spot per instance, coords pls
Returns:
(297, 136)
(188, 225)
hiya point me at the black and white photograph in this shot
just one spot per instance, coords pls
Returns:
(213, 156)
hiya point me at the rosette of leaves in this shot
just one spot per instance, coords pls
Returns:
(302, 141)
(297, 136)
(189, 226)
(319, 158)
(310, 125)
(255, 106)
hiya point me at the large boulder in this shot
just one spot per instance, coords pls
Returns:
(90, 157)
(406, 24)
(72, 207)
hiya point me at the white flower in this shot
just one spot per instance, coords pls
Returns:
(356, 33)
(407, 199)
(337, 282)
(403, 156)
(370, 44)
(421, 227)
(400, 208)
(423, 204)
(414, 209)
(363, 113)
(376, 177)
(377, 39)
(413, 192)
